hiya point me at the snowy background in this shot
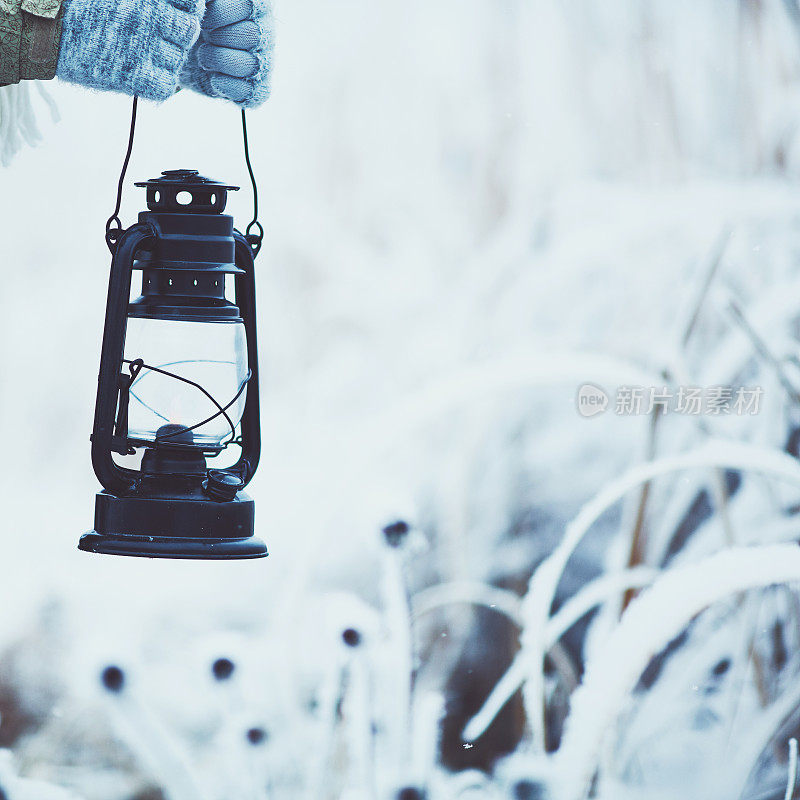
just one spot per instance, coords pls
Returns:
(472, 208)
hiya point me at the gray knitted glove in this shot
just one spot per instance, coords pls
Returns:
(233, 57)
(130, 46)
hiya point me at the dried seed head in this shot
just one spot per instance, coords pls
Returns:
(222, 669)
(351, 637)
(396, 532)
(528, 790)
(411, 793)
(721, 667)
(113, 678)
(257, 736)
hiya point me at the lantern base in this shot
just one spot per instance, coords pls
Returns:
(173, 527)
(219, 549)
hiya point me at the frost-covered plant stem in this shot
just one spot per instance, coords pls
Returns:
(330, 695)
(358, 726)
(542, 587)
(470, 593)
(761, 731)
(150, 742)
(427, 713)
(651, 621)
(791, 781)
(398, 624)
(594, 593)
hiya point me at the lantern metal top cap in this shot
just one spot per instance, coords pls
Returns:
(186, 191)
(187, 178)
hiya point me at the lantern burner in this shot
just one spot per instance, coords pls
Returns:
(171, 459)
(172, 436)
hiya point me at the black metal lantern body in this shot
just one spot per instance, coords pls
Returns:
(179, 380)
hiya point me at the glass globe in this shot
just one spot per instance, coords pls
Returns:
(214, 355)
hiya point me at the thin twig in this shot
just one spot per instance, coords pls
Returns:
(636, 556)
(762, 349)
(717, 252)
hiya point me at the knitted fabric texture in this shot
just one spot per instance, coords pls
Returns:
(235, 34)
(130, 46)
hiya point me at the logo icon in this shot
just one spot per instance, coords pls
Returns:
(591, 400)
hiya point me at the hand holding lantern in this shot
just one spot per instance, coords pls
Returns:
(150, 48)
(232, 58)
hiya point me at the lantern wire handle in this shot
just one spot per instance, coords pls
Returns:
(222, 411)
(137, 364)
(112, 234)
(114, 224)
(254, 239)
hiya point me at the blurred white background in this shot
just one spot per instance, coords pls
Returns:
(470, 209)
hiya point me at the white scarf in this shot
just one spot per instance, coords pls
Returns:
(18, 117)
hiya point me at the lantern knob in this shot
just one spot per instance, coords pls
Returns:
(180, 174)
(222, 485)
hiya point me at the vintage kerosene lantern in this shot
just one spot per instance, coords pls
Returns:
(178, 383)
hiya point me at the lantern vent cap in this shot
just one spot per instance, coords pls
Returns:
(186, 191)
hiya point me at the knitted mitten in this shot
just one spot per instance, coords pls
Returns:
(130, 46)
(233, 57)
